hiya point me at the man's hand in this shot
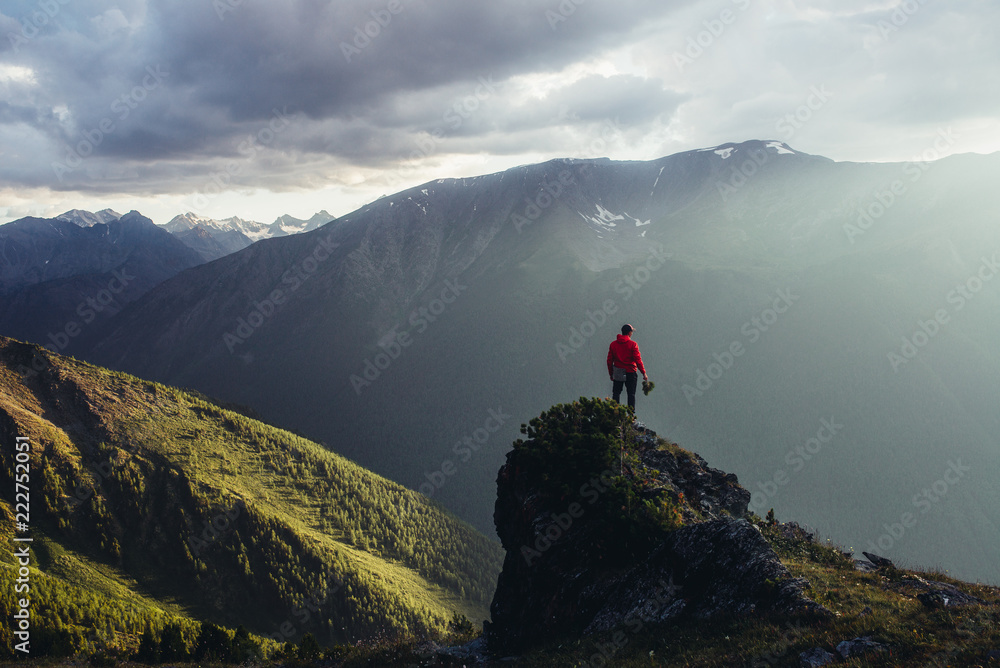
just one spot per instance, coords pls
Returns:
(645, 377)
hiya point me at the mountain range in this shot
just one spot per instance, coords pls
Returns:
(823, 329)
(211, 238)
(59, 280)
(59, 275)
(215, 238)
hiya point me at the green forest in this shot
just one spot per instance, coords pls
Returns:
(156, 513)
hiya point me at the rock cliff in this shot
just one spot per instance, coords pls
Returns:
(607, 525)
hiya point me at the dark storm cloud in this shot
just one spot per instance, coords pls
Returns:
(138, 82)
(156, 96)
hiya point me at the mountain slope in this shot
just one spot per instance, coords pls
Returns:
(212, 244)
(57, 279)
(768, 287)
(624, 549)
(235, 521)
(616, 538)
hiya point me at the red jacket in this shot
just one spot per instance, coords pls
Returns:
(624, 353)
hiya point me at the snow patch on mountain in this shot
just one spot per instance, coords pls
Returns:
(89, 219)
(607, 220)
(658, 175)
(780, 147)
(286, 225)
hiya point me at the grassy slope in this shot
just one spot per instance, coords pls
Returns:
(880, 604)
(917, 635)
(307, 515)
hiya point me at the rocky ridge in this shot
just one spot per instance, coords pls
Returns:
(564, 575)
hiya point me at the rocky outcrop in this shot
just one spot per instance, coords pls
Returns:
(565, 575)
(931, 593)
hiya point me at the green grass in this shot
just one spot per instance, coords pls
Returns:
(877, 604)
(918, 636)
(128, 476)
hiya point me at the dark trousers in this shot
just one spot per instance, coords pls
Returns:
(630, 383)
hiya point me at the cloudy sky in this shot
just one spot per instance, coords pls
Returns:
(257, 108)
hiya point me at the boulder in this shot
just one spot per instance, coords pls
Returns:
(858, 646)
(879, 562)
(816, 657)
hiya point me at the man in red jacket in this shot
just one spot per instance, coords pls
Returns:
(623, 360)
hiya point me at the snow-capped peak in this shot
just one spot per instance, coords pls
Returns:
(284, 225)
(251, 228)
(89, 219)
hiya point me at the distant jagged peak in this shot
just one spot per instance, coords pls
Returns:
(255, 231)
(134, 216)
(287, 219)
(288, 224)
(186, 221)
(85, 218)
